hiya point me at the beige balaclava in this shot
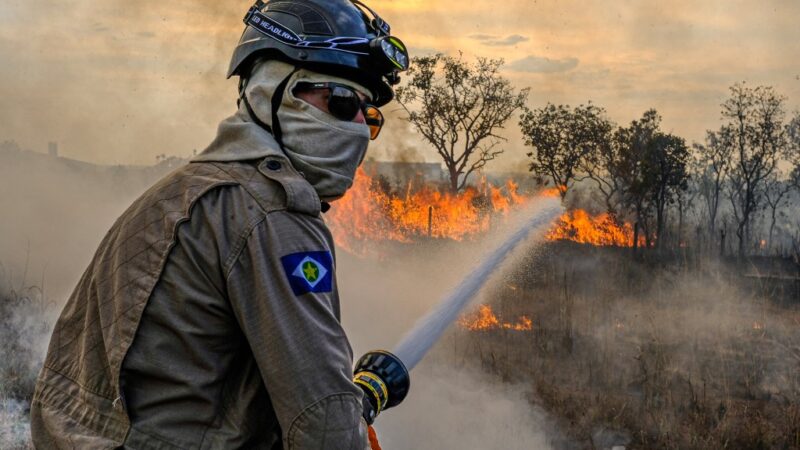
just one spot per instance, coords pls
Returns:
(326, 150)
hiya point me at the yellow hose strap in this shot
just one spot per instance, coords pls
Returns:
(374, 384)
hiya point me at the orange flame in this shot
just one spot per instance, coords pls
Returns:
(601, 230)
(368, 213)
(556, 191)
(484, 320)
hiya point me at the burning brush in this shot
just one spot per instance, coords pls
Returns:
(384, 376)
(372, 213)
(368, 213)
(485, 319)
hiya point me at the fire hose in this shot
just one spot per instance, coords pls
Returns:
(384, 376)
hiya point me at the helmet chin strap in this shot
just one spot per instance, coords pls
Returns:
(277, 99)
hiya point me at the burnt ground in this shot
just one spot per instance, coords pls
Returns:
(669, 352)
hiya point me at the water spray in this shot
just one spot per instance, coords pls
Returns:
(384, 376)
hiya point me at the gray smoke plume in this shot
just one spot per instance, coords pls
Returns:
(14, 424)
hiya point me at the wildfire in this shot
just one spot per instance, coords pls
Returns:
(600, 230)
(484, 320)
(368, 213)
(556, 191)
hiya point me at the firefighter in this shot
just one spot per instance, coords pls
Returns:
(209, 315)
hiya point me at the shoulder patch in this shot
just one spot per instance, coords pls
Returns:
(309, 271)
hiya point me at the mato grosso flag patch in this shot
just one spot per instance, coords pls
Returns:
(309, 271)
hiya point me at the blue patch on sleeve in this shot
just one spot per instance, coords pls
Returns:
(309, 271)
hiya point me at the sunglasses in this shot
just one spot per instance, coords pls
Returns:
(344, 103)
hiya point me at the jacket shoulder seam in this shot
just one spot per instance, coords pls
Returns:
(262, 202)
(241, 243)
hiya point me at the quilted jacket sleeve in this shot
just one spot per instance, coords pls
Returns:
(283, 291)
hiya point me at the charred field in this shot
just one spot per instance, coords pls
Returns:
(660, 352)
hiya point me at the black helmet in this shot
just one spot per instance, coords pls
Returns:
(340, 37)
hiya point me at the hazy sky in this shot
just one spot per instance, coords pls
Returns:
(121, 82)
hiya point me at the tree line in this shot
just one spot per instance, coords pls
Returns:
(744, 174)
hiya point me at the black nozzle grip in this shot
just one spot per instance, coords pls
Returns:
(384, 378)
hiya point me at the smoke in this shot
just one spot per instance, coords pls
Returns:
(56, 211)
(406, 281)
(452, 407)
(625, 350)
(612, 338)
(428, 330)
(399, 141)
(14, 424)
(122, 82)
(23, 339)
(116, 81)
(61, 210)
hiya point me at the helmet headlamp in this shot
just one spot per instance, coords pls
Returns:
(391, 52)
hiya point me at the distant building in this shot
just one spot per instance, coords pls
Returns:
(52, 149)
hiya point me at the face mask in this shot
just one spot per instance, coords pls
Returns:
(325, 149)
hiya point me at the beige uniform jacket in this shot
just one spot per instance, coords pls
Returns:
(208, 318)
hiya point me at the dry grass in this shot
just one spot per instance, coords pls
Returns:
(647, 356)
(22, 327)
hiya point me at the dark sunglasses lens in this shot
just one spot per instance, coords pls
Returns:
(374, 119)
(343, 103)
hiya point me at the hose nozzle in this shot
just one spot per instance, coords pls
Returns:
(384, 379)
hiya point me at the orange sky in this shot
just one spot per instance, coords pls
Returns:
(122, 82)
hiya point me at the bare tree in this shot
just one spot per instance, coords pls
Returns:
(562, 140)
(667, 174)
(458, 108)
(604, 167)
(793, 156)
(776, 190)
(685, 201)
(793, 132)
(793, 149)
(758, 136)
(712, 165)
